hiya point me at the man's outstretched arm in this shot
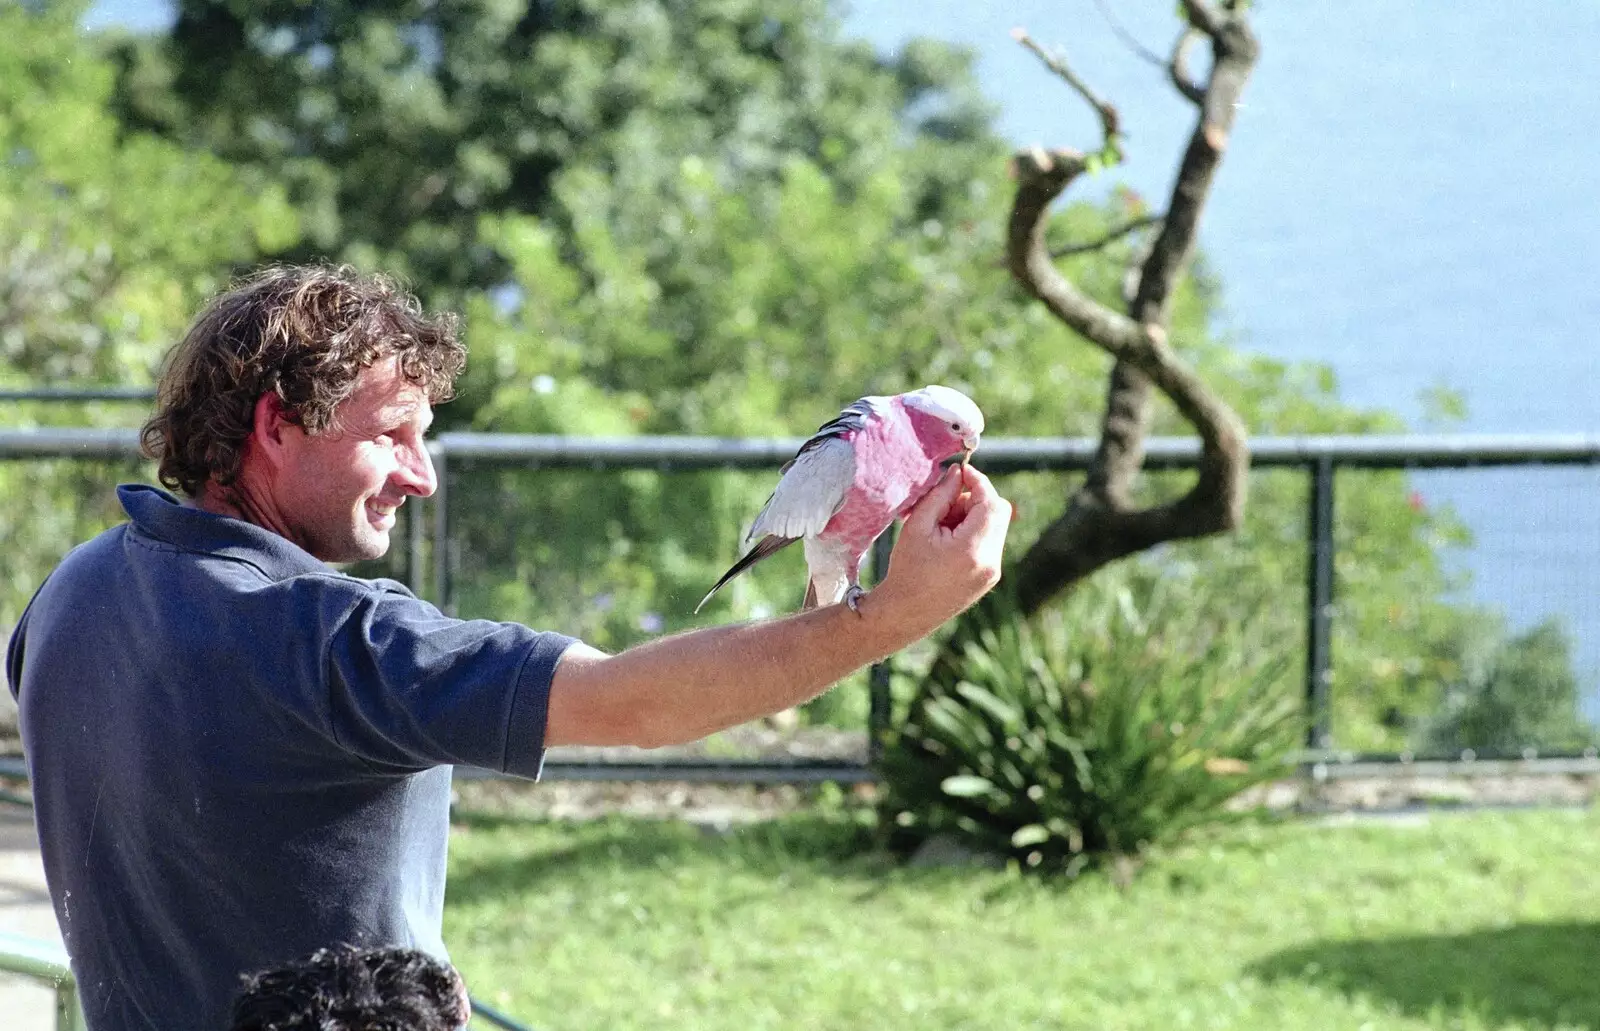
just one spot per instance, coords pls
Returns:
(681, 688)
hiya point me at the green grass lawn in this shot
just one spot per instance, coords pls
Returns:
(1465, 920)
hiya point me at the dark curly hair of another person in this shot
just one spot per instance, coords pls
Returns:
(302, 332)
(350, 989)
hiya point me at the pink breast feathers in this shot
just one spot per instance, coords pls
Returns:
(892, 473)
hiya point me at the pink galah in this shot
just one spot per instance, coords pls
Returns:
(855, 476)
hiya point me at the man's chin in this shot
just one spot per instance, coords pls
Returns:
(366, 547)
(375, 546)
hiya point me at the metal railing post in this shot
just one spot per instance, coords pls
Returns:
(1319, 606)
(441, 531)
(78, 394)
(494, 1016)
(416, 532)
(879, 704)
(45, 962)
(69, 1011)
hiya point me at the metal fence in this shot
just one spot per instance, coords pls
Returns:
(46, 963)
(431, 558)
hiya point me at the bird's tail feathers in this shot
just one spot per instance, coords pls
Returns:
(767, 545)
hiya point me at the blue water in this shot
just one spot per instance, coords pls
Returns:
(1412, 196)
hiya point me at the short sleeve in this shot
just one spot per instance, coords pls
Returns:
(411, 687)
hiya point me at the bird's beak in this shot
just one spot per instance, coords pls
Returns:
(960, 459)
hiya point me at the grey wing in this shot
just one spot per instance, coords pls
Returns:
(812, 489)
(853, 418)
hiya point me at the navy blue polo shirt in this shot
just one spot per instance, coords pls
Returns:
(240, 755)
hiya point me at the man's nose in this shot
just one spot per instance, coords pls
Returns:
(416, 475)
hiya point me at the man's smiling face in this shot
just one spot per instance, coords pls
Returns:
(340, 491)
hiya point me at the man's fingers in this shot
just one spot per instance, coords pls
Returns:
(925, 515)
(986, 507)
(980, 492)
(964, 501)
(979, 484)
(956, 512)
(984, 516)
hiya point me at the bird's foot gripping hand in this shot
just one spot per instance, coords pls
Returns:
(852, 597)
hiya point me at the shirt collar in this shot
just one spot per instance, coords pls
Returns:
(158, 514)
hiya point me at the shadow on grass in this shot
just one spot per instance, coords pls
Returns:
(1535, 974)
(555, 851)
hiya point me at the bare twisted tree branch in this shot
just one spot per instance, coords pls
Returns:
(1101, 523)
(1127, 38)
(1203, 15)
(1108, 238)
(1108, 114)
(1178, 67)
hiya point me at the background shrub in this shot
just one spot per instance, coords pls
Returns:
(1129, 713)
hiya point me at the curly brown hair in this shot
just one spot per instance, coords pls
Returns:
(304, 332)
(351, 989)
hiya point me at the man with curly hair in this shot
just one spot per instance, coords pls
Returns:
(240, 754)
(349, 989)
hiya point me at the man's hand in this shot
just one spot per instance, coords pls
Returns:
(948, 554)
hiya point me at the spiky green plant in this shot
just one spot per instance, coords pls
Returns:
(1130, 713)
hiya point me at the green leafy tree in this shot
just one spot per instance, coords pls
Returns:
(1507, 692)
(108, 240)
(721, 218)
(398, 124)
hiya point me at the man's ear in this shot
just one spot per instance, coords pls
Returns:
(273, 422)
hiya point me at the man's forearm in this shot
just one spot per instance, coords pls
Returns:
(681, 688)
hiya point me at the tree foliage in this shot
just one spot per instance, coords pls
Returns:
(108, 240)
(658, 216)
(107, 237)
(399, 124)
(1506, 692)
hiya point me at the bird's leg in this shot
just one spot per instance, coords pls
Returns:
(852, 578)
